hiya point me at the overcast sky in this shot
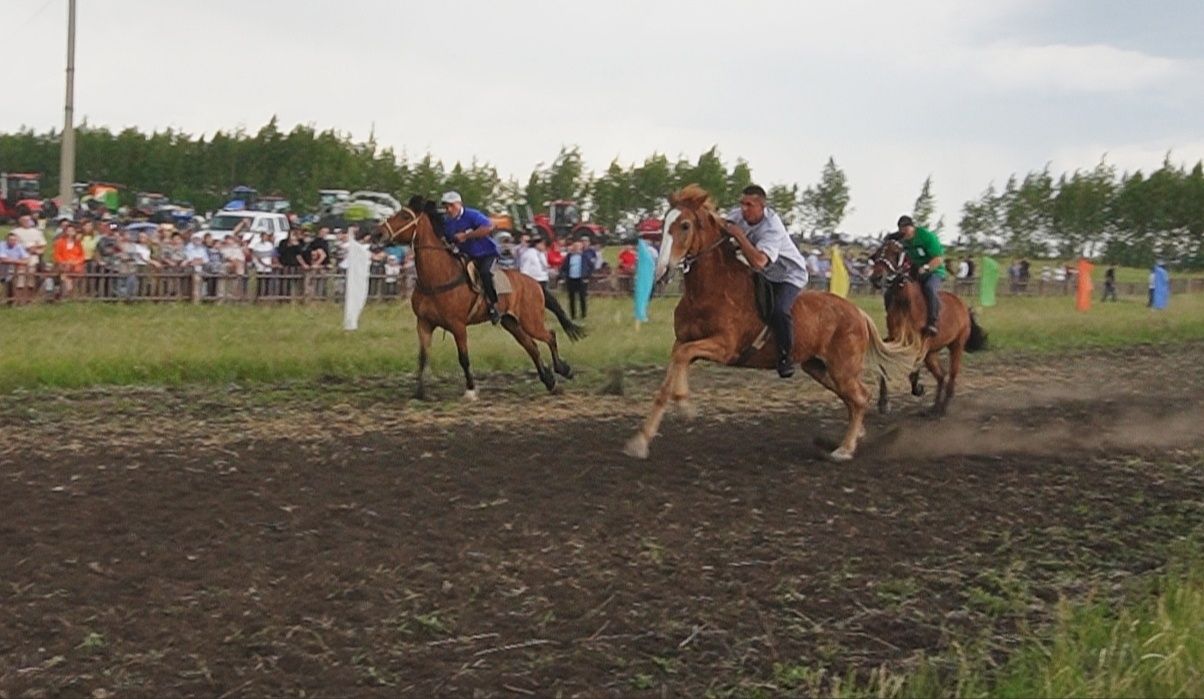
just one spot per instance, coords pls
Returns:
(968, 92)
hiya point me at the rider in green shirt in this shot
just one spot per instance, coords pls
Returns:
(925, 253)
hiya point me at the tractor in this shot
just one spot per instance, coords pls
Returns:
(562, 223)
(20, 195)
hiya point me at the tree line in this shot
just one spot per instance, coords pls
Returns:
(1128, 218)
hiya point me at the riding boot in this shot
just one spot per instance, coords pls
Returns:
(783, 326)
(485, 269)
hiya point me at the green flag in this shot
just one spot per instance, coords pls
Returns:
(988, 282)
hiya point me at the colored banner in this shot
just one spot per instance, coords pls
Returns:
(988, 282)
(359, 260)
(840, 274)
(1162, 287)
(645, 269)
(1083, 297)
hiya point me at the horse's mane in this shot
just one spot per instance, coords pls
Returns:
(694, 197)
(421, 205)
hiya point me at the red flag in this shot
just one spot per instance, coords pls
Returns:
(1083, 299)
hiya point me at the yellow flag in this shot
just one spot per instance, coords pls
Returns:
(840, 275)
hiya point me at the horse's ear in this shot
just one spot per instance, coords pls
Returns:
(672, 197)
(416, 203)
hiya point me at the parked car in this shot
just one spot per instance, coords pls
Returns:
(224, 222)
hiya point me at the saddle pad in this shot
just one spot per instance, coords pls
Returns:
(501, 280)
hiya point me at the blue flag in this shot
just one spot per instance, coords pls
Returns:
(645, 268)
(1162, 287)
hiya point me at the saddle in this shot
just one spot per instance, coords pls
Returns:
(501, 279)
(764, 297)
(762, 293)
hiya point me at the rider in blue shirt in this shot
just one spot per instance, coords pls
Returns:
(470, 230)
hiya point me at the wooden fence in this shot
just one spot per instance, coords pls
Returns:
(305, 286)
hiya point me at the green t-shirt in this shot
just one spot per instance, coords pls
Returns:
(923, 247)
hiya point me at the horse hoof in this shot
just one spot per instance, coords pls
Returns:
(841, 455)
(470, 395)
(637, 447)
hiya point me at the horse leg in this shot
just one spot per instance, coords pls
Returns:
(932, 360)
(545, 374)
(460, 332)
(534, 326)
(846, 384)
(883, 396)
(955, 365)
(917, 388)
(681, 396)
(425, 330)
(682, 356)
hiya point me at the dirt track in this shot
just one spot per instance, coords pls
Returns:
(288, 541)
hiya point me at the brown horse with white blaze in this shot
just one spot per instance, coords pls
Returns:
(717, 320)
(958, 330)
(444, 298)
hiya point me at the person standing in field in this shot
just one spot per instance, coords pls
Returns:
(1110, 284)
(576, 270)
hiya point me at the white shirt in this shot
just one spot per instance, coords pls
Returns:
(142, 254)
(261, 255)
(963, 269)
(786, 263)
(534, 264)
(30, 237)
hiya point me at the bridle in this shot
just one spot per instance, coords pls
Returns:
(687, 261)
(461, 278)
(394, 233)
(896, 269)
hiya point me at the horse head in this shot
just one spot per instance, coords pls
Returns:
(403, 227)
(690, 229)
(890, 265)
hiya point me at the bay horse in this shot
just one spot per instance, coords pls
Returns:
(443, 297)
(906, 312)
(717, 320)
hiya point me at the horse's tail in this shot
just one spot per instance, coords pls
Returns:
(978, 337)
(891, 359)
(574, 331)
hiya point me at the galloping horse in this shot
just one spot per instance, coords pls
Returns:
(957, 329)
(445, 298)
(717, 320)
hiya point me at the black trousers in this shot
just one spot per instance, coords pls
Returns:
(485, 269)
(577, 294)
(784, 294)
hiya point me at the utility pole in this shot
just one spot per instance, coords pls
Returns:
(67, 157)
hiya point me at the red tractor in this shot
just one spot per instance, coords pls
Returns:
(650, 229)
(562, 224)
(20, 195)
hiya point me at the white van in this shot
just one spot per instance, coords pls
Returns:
(224, 222)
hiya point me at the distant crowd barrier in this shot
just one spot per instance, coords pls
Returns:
(304, 286)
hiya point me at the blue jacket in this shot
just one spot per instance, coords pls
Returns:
(468, 220)
(589, 262)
